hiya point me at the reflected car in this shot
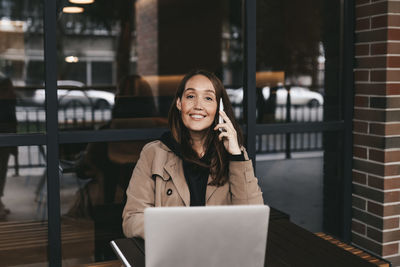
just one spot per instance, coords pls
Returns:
(70, 97)
(299, 96)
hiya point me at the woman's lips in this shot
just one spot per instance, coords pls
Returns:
(197, 116)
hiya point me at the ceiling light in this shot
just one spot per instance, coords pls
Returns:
(82, 2)
(71, 59)
(72, 9)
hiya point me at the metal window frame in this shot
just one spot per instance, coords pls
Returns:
(53, 138)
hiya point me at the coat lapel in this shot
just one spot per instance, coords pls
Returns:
(210, 189)
(175, 170)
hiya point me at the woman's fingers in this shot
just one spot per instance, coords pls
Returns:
(227, 125)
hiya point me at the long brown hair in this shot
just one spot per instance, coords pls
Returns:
(214, 149)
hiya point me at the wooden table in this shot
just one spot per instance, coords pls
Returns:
(289, 245)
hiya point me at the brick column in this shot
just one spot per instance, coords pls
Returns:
(147, 36)
(376, 129)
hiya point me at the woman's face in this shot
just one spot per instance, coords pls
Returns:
(198, 104)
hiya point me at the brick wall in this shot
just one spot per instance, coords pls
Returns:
(376, 129)
(147, 36)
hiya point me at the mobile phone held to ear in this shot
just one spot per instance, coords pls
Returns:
(220, 120)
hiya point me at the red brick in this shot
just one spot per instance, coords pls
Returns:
(371, 62)
(359, 203)
(393, 62)
(368, 193)
(360, 178)
(390, 249)
(393, 89)
(391, 223)
(360, 152)
(392, 156)
(392, 129)
(360, 126)
(374, 35)
(361, 101)
(392, 196)
(368, 140)
(370, 89)
(368, 167)
(378, 75)
(376, 182)
(379, 21)
(362, 49)
(392, 170)
(390, 236)
(373, 9)
(375, 208)
(393, 75)
(361, 75)
(374, 234)
(384, 156)
(358, 227)
(393, 34)
(376, 155)
(393, 48)
(384, 129)
(369, 115)
(377, 128)
(393, 20)
(379, 49)
(393, 7)
(366, 243)
(363, 24)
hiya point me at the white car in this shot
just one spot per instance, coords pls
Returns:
(298, 96)
(70, 97)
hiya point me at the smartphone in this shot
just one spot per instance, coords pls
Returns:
(220, 120)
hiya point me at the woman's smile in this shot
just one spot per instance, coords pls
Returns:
(198, 104)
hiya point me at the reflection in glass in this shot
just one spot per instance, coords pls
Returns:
(21, 59)
(98, 175)
(304, 179)
(299, 42)
(158, 41)
(23, 206)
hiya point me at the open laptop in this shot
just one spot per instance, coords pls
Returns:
(220, 236)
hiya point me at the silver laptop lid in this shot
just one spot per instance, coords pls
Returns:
(220, 236)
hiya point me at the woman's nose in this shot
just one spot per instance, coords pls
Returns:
(198, 104)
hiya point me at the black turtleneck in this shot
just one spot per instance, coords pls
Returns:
(196, 176)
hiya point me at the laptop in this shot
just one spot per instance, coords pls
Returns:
(220, 236)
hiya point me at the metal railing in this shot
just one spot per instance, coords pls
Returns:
(76, 116)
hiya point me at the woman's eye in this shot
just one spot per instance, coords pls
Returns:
(189, 96)
(209, 98)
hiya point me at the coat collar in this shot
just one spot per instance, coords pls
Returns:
(168, 162)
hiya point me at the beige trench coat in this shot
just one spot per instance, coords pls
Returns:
(158, 181)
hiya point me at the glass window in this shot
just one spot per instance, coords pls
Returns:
(130, 57)
(23, 206)
(306, 185)
(93, 183)
(298, 51)
(297, 81)
(21, 67)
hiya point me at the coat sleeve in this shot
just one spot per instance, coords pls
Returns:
(243, 184)
(140, 195)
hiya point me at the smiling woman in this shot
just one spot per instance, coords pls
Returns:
(195, 164)
(198, 105)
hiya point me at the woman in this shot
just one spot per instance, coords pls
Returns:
(195, 164)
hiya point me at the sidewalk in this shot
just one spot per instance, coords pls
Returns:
(294, 186)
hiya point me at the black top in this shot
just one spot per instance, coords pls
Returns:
(196, 176)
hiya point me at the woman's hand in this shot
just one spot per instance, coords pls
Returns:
(228, 135)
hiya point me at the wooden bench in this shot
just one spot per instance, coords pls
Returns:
(25, 242)
(290, 245)
(356, 251)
